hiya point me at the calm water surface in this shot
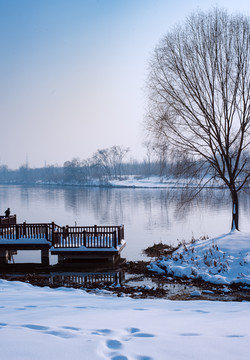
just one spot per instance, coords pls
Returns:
(149, 215)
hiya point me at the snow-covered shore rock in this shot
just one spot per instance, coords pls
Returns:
(221, 260)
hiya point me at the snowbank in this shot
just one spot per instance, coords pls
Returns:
(161, 182)
(135, 181)
(222, 260)
(43, 323)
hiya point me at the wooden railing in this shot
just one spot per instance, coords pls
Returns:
(66, 236)
(8, 220)
(88, 236)
(25, 231)
(87, 239)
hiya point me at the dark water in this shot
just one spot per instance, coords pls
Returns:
(149, 215)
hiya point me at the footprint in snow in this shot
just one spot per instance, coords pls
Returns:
(144, 335)
(35, 327)
(119, 357)
(71, 328)
(113, 344)
(201, 311)
(47, 330)
(135, 332)
(102, 332)
(59, 333)
(235, 336)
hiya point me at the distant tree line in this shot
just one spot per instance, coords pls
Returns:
(104, 165)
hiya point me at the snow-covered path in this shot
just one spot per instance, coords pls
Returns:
(43, 323)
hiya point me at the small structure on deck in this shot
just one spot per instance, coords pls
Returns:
(70, 243)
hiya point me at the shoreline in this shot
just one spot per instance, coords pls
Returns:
(129, 182)
(141, 283)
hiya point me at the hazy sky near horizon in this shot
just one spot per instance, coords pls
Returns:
(73, 72)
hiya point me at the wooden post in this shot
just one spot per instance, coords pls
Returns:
(45, 256)
(53, 233)
(84, 238)
(119, 234)
(17, 232)
(3, 256)
(24, 229)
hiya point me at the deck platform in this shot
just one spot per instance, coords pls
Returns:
(69, 243)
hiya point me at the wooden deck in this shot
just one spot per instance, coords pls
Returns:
(68, 242)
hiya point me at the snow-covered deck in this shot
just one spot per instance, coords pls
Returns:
(69, 243)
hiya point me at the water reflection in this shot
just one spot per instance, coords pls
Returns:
(87, 278)
(72, 276)
(149, 215)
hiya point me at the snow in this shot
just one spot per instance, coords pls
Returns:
(84, 249)
(135, 181)
(24, 241)
(43, 323)
(221, 260)
(161, 182)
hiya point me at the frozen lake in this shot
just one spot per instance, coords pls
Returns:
(149, 215)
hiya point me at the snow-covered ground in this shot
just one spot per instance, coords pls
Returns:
(160, 182)
(43, 323)
(135, 181)
(221, 260)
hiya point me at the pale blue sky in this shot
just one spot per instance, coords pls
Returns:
(72, 73)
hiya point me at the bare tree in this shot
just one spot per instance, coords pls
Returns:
(161, 152)
(149, 150)
(110, 160)
(199, 95)
(117, 154)
(102, 159)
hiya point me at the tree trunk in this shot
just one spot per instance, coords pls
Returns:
(235, 210)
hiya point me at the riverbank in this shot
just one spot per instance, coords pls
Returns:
(221, 260)
(129, 181)
(208, 269)
(132, 279)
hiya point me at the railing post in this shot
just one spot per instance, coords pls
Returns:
(17, 232)
(24, 228)
(53, 232)
(47, 232)
(95, 231)
(122, 232)
(84, 238)
(119, 234)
